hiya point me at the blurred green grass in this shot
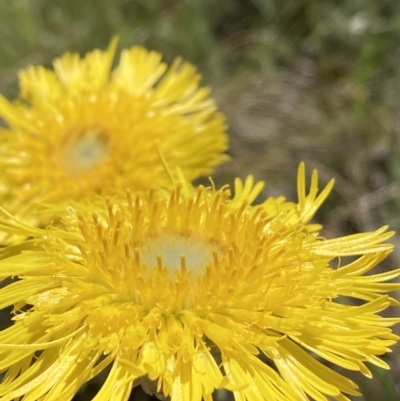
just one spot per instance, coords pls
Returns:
(298, 80)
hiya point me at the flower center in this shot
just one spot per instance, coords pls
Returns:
(197, 253)
(80, 149)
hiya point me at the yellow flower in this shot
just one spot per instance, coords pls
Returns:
(81, 130)
(194, 292)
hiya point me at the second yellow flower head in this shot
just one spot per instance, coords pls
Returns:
(84, 130)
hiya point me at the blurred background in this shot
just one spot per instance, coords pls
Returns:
(317, 81)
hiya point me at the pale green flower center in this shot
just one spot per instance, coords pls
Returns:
(197, 253)
(82, 149)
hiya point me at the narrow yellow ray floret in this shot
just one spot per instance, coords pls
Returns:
(82, 130)
(193, 292)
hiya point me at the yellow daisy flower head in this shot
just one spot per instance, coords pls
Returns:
(193, 292)
(82, 129)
